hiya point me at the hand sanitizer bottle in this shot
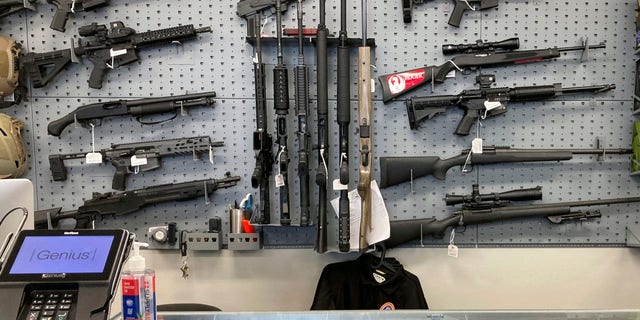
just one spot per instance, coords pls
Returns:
(138, 288)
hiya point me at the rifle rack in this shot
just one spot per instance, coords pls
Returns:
(293, 41)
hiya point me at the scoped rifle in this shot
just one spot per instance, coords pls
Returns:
(95, 112)
(477, 201)
(302, 109)
(409, 230)
(343, 118)
(107, 47)
(262, 140)
(147, 154)
(456, 15)
(487, 102)
(481, 54)
(397, 170)
(115, 204)
(365, 109)
(8, 7)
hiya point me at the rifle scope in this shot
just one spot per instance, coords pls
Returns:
(480, 46)
(478, 199)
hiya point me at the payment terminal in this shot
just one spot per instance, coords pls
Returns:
(62, 275)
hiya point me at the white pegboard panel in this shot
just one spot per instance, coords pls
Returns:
(221, 61)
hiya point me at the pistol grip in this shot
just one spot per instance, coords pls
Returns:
(120, 178)
(100, 69)
(464, 127)
(58, 170)
(60, 17)
(457, 13)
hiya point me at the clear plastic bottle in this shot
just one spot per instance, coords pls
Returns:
(138, 288)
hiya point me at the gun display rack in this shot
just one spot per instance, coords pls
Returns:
(221, 62)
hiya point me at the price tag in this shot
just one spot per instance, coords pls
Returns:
(337, 186)
(476, 146)
(452, 250)
(115, 53)
(279, 180)
(211, 154)
(93, 157)
(373, 86)
(451, 74)
(490, 105)
(135, 161)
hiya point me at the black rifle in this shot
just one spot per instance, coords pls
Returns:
(302, 109)
(107, 47)
(344, 117)
(477, 201)
(409, 230)
(397, 170)
(120, 156)
(262, 141)
(456, 15)
(322, 175)
(64, 8)
(8, 7)
(95, 112)
(116, 204)
(487, 102)
(281, 104)
(475, 56)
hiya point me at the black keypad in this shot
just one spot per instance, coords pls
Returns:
(50, 305)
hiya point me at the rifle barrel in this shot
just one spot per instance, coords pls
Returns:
(602, 45)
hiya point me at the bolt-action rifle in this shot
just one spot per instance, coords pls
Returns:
(397, 170)
(116, 204)
(481, 54)
(92, 114)
(487, 102)
(460, 6)
(107, 47)
(148, 153)
(557, 213)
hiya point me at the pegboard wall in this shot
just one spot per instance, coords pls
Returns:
(221, 61)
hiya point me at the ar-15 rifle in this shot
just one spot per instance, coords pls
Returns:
(460, 6)
(557, 213)
(481, 54)
(116, 204)
(95, 112)
(8, 7)
(487, 102)
(397, 170)
(148, 153)
(107, 47)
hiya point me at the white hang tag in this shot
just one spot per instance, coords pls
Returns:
(211, 154)
(135, 161)
(337, 186)
(451, 74)
(373, 86)
(490, 105)
(476, 146)
(115, 53)
(279, 181)
(93, 157)
(452, 250)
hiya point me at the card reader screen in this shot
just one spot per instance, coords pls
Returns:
(62, 254)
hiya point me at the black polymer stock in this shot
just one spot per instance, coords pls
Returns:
(474, 102)
(302, 109)
(460, 6)
(556, 213)
(343, 119)
(120, 156)
(322, 175)
(106, 47)
(95, 112)
(474, 56)
(397, 170)
(281, 105)
(262, 140)
(112, 204)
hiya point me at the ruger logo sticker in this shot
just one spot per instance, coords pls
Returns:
(399, 82)
(387, 306)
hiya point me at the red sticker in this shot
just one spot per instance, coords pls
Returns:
(406, 80)
(130, 287)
